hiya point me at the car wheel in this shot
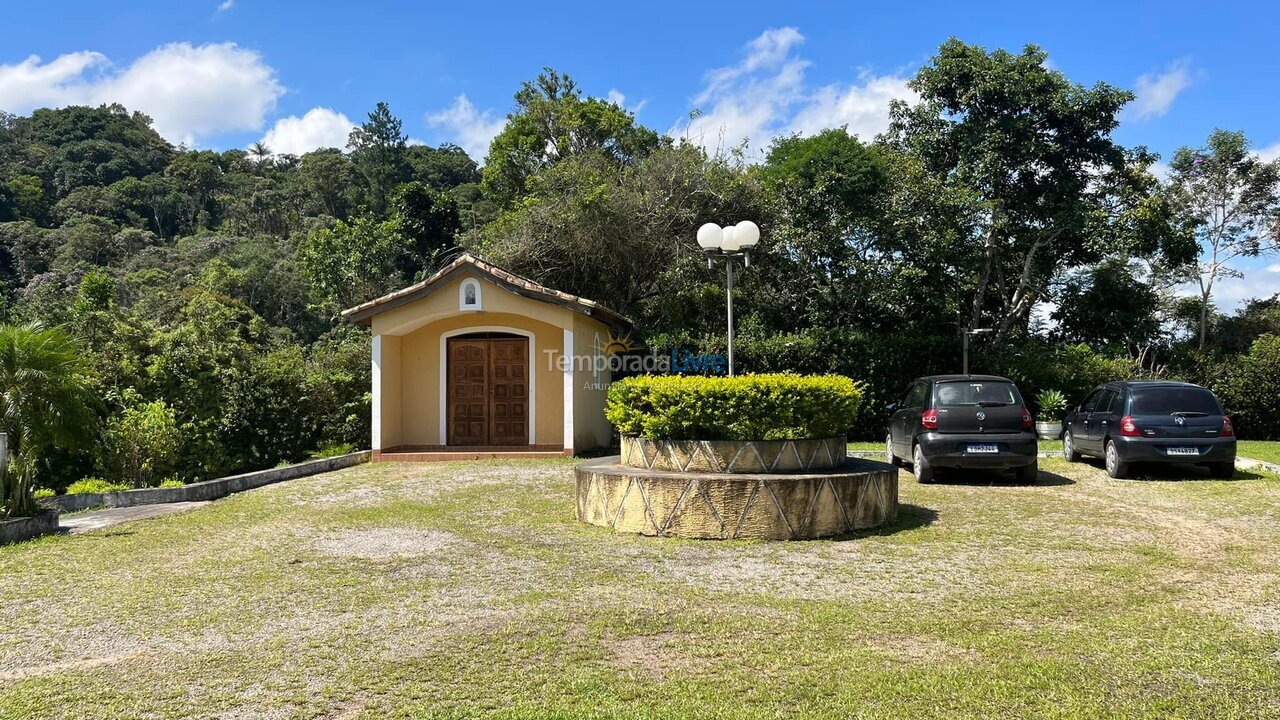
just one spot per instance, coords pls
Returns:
(1028, 474)
(1223, 470)
(920, 466)
(1069, 448)
(889, 457)
(1115, 468)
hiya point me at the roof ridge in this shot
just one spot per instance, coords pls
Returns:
(424, 287)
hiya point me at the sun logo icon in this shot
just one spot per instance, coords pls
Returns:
(612, 344)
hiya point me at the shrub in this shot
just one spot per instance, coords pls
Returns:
(746, 407)
(44, 493)
(1052, 404)
(141, 442)
(333, 450)
(172, 482)
(94, 485)
(1249, 388)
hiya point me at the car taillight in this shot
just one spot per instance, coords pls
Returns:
(930, 419)
(1227, 430)
(1128, 427)
(1027, 420)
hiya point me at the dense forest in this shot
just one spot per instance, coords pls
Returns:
(203, 288)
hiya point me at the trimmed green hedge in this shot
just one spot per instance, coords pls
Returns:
(747, 407)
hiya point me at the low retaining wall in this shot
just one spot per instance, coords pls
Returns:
(733, 456)
(25, 528)
(856, 496)
(207, 490)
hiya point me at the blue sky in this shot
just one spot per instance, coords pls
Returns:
(224, 73)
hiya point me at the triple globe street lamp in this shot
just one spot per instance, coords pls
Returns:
(728, 244)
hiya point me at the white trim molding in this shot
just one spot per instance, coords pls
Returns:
(462, 295)
(568, 389)
(444, 376)
(376, 440)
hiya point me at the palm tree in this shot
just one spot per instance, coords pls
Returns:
(260, 154)
(46, 399)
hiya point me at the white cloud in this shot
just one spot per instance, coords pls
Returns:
(864, 107)
(1274, 267)
(616, 97)
(1270, 152)
(226, 5)
(472, 129)
(318, 128)
(766, 94)
(190, 92)
(1155, 92)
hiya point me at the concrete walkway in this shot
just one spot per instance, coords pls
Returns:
(98, 519)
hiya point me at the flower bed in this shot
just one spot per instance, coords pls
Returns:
(747, 407)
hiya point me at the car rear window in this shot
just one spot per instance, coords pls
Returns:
(1170, 400)
(971, 392)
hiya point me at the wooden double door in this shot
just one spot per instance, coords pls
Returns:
(488, 390)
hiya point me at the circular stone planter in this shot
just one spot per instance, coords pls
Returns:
(859, 494)
(733, 456)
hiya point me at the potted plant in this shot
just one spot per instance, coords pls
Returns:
(1052, 405)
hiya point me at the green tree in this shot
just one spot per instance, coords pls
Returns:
(1108, 306)
(553, 121)
(1233, 200)
(140, 442)
(828, 192)
(1013, 176)
(46, 401)
(428, 221)
(352, 261)
(443, 168)
(378, 149)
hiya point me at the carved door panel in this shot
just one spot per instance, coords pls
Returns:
(509, 392)
(468, 392)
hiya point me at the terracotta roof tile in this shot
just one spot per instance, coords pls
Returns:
(364, 311)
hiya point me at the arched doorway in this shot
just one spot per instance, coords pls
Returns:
(488, 398)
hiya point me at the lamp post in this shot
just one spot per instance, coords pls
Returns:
(729, 244)
(967, 335)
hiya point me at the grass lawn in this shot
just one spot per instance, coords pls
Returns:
(1266, 451)
(455, 590)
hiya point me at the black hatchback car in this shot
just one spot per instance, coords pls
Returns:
(1151, 421)
(962, 421)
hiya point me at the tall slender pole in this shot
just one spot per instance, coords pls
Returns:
(728, 264)
(966, 352)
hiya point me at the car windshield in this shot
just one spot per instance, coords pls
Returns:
(986, 394)
(1174, 401)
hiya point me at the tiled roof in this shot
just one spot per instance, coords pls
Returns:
(520, 285)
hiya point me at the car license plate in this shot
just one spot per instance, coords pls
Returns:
(983, 449)
(1182, 451)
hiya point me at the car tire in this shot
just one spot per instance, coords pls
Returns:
(1069, 448)
(920, 466)
(1115, 468)
(889, 457)
(1028, 474)
(1223, 470)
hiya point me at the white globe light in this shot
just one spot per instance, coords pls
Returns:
(747, 234)
(730, 242)
(710, 236)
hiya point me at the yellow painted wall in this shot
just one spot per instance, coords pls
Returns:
(590, 428)
(411, 380)
(389, 363)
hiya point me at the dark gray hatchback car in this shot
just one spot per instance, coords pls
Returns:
(1151, 421)
(962, 421)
